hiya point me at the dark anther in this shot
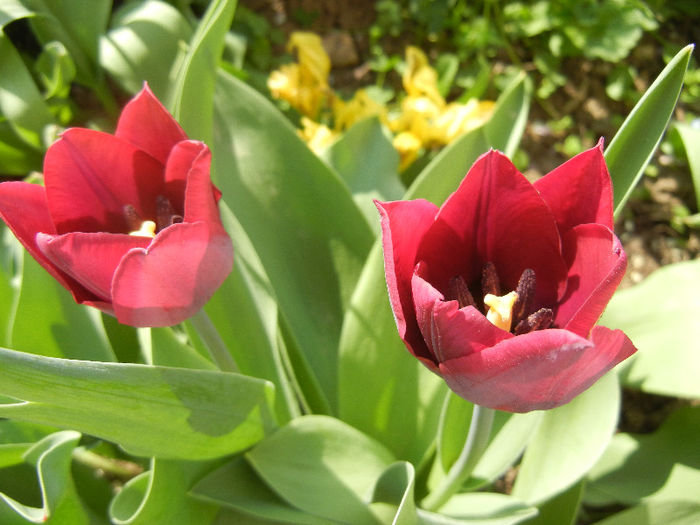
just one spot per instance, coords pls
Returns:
(458, 290)
(540, 320)
(133, 219)
(489, 280)
(164, 212)
(526, 294)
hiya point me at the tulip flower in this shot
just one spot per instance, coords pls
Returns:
(128, 223)
(499, 289)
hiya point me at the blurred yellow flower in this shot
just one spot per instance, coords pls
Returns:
(419, 79)
(304, 84)
(408, 146)
(360, 106)
(317, 136)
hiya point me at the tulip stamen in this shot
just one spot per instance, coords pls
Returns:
(490, 283)
(500, 311)
(540, 320)
(526, 295)
(165, 213)
(459, 291)
(133, 219)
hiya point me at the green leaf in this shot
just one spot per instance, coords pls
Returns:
(161, 495)
(640, 133)
(664, 465)
(322, 466)
(78, 26)
(568, 442)
(143, 43)
(191, 100)
(20, 101)
(507, 124)
(562, 509)
(66, 329)
(11, 10)
(660, 317)
(658, 513)
(691, 138)
(383, 390)
(479, 509)
(56, 70)
(369, 165)
(52, 459)
(393, 497)
(307, 231)
(236, 485)
(148, 410)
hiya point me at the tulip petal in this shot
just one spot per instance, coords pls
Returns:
(597, 264)
(451, 332)
(173, 278)
(200, 194)
(403, 224)
(90, 258)
(579, 191)
(499, 218)
(145, 123)
(24, 209)
(90, 176)
(535, 371)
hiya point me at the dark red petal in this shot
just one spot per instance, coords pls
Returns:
(145, 123)
(199, 195)
(174, 277)
(90, 258)
(579, 191)
(403, 225)
(535, 371)
(597, 264)
(24, 209)
(499, 217)
(451, 332)
(90, 176)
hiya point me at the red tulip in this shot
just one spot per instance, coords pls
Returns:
(499, 289)
(128, 222)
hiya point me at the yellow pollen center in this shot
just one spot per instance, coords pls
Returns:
(500, 309)
(148, 229)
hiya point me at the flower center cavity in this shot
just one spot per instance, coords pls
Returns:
(165, 216)
(512, 311)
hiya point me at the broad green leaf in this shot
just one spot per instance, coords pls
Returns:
(142, 44)
(658, 513)
(664, 465)
(47, 321)
(384, 391)
(168, 348)
(660, 317)
(369, 165)
(56, 70)
(191, 100)
(245, 314)
(635, 142)
(16, 156)
(507, 124)
(235, 485)
(568, 442)
(309, 234)
(16, 437)
(52, 459)
(393, 497)
(20, 101)
(691, 139)
(11, 10)
(147, 410)
(77, 25)
(562, 509)
(479, 509)
(161, 495)
(322, 466)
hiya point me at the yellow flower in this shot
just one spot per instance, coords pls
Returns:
(317, 136)
(419, 79)
(359, 107)
(304, 84)
(457, 119)
(408, 146)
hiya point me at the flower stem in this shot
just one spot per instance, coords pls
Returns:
(477, 439)
(218, 351)
(114, 468)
